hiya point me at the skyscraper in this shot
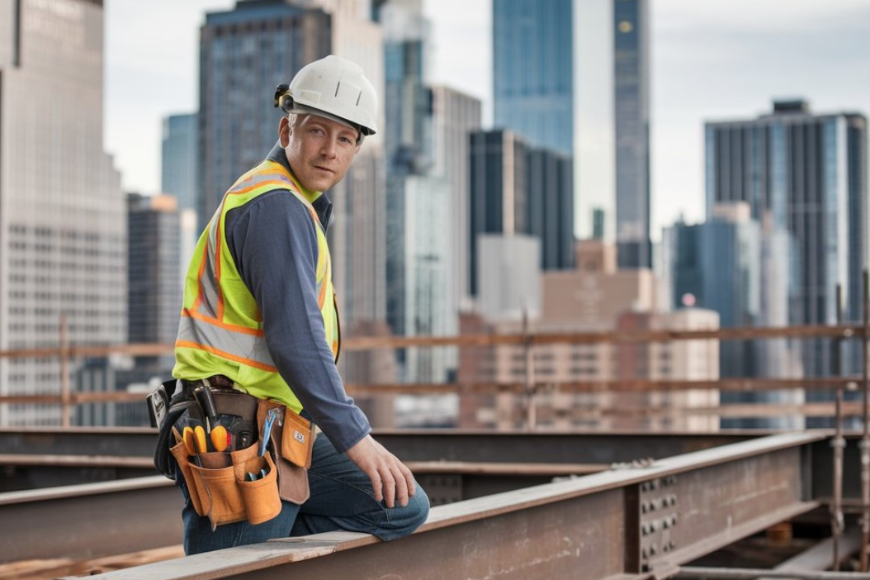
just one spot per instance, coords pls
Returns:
(550, 207)
(578, 83)
(454, 116)
(408, 147)
(631, 118)
(62, 225)
(498, 179)
(517, 189)
(180, 159)
(805, 174)
(717, 265)
(533, 71)
(727, 265)
(155, 288)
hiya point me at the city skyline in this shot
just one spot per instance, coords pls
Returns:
(709, 62)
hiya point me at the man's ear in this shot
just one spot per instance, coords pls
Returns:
(284, 130)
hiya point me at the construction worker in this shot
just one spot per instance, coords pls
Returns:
(259, 316)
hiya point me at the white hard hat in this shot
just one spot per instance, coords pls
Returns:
(334, 86)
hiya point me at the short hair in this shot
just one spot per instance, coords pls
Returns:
(294, 115)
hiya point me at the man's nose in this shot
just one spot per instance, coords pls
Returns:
(330, 148)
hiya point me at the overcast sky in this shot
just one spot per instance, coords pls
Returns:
(711, 60)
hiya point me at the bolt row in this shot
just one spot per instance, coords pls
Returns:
(652, 550)
(654, 504)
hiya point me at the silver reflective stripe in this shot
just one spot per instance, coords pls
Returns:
(209, 289)
(238, 344)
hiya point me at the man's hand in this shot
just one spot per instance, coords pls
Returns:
(391, 480)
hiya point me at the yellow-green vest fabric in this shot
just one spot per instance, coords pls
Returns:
(221, 329)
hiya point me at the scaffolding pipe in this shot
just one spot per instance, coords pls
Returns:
(753, 573)
(529, 387)
(838, 443)
(865, 439)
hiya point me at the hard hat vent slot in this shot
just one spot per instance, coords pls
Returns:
(358, 97)
(337, 85)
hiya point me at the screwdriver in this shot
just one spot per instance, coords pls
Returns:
(220, 438)
(199, 438)
(187, 437)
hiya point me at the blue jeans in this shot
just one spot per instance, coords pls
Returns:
(341, 499)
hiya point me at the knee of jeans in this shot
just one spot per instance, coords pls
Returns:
(415, 513)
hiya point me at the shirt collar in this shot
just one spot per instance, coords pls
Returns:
(318, 199)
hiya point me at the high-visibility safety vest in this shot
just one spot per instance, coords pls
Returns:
(221, 329)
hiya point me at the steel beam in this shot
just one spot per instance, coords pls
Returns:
(90, 521)
(20, 472)
(753, 573)
(594, 527)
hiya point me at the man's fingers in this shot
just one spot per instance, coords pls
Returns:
(377, 486)
(401, 486)
(391, 479)
(389, 489)
(409, 479)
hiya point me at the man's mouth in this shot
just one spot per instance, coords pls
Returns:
(322, 168)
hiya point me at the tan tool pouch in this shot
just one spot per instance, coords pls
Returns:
(293, 441)
(218, 489)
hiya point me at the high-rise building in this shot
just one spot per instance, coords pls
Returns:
(631, 126)
(806, 174)
(578, 83)
(550, 207)
(454, 116)
(717, 265)
(725, 265)
(429, 310)
(498, 177)
(62, 215)
(516, 189)
(533, 78)
(154, 257)
(244, 54)
(180, 152)
(407, 146)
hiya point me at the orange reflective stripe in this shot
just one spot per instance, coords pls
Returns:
(321, 298)
(226, 355)
(277, 182)
(216, 322)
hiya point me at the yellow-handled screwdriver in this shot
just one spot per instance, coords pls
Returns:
(187, 437)
(199, 438)
(220, 438)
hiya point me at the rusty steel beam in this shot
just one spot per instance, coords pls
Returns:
(90, 520)
(753, 573)
(626, 523)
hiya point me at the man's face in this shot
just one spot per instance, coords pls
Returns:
(319, 150)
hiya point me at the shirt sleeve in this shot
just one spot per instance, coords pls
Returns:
(274, 244)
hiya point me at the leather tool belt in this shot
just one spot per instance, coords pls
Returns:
(248, 479)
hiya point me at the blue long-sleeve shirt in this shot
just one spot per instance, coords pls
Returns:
(273, 242)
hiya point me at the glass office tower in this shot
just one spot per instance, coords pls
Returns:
(573, 77)
(807, 174)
